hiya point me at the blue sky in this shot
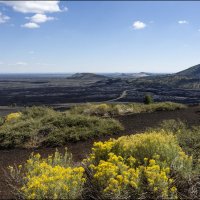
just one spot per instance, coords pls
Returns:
(67, 36)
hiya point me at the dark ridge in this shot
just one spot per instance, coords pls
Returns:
(191, 72)
(87, 76)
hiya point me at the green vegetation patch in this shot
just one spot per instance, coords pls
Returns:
(123, 109)
(41, 126)
(188, 137)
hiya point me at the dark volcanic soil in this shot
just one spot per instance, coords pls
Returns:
(132, 123)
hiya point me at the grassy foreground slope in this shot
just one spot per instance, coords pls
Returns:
(40, 126)
(142, 166)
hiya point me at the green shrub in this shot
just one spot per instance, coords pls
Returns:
(148, 99)
(188, 137)
(2, 120)
(40, 126)
(37, 112)
(143, 166)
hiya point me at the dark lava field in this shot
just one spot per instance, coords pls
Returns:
(26, 90)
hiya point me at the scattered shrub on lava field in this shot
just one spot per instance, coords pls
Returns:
(114, 109)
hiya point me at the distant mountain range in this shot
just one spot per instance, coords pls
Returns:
(111, 75)
(186, 79)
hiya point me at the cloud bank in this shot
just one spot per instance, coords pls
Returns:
(34, 6)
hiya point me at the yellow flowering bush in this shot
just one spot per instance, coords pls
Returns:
(138, 165)
(101, 150)
(13, 116)
(53, 182)
(115, 177)
(161, 146)
(51, 178)
(141, 166)
(158, 180)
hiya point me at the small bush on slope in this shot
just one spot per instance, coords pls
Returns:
(122, 109)
(38, 126)
(143, 166)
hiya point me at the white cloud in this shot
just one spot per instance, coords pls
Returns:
(139, 25)
(40, 18)
(36, 19)
(21, 63)
(34, 6)
(30, 25)
(3, 18)
(183, 22)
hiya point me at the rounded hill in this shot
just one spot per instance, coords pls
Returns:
(191, 72)
(87, 76)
